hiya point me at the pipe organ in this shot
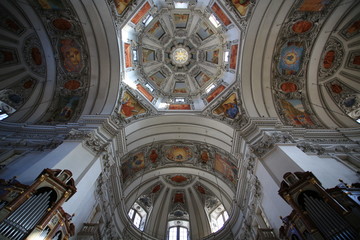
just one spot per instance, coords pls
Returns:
(35, 212)
(319, 213)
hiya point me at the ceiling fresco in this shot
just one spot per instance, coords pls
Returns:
(292, 53)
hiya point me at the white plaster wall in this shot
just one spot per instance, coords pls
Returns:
(273, 205)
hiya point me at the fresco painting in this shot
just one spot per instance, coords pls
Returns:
(288, 87)
(179, 198)
(336, 88)
(121, 5)
(144, 92)
(156, 188)
(225, 167)
(204, 31)
(62, 24)
(142, 12)
(354, 60)
(233, 56)
(153, 156)
(201, 78)
(72, 85)
(200, 189)
(179, 107)
(128, 60)
(204, 157)
(178, 153)
(148, 55)
(212, 56)
(180, 87)
(181, 20)
(157, 30)
(302, 26)
(71, 55)
(65, 109)
(241, 6)
(130, 106)
(179, 179)
(215, 93)
(36, 56)
(158, 78)
(51, 4)
(295, 113)
(134, 164)
(313, 5)
(353, 29)
(329, 59)
(220, 13)
(290, 58)
(228, 108)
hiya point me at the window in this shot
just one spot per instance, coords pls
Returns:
(214, 21)
(178, 233)
(134, 55)
(226, 57)
(181, 4)
(147, 20)
(218, 217)
(137, 215)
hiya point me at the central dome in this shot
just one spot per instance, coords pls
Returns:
(180, 56)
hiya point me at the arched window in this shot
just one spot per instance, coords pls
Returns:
(218, 217)
(138, 215)
(178, 230)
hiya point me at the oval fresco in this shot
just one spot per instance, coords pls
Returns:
(288, 87)
(61, 24)
(28, 84)
(301, 26)
(178, 179)
(71, 54)
(179, 153)
(72, 84)
(329, 59)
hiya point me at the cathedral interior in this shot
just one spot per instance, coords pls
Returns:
(178, 119)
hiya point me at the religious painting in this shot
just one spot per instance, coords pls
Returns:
(127, 50)
(134, 164)
(72, 84)
(295, 112)
(178, 153)
(220, 13)
(313, 5)
(62, 24)
(71, 55)
(204, 31)
(179, 107)
(153, 156)
(201, 78)
(146, 94)
(215, 93)
(9, 23)
(156, 188)
(291, 58)
(224, 166)
(181, 20)
(241, 6)
(180, 87)
(354, 60)
(288, 87)
(212, 56)
(142, 12)
(65, 109)
(8, 56)
(200, 189)
(158, 78)
(228, 108)
(51, 4)
(157, 30)
(130, 106)
(329, 59)
(148, 55)
(301, 26)
(233, 56)
(121, 5)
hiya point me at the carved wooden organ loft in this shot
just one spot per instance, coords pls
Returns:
(319, 213)
(35, 212)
